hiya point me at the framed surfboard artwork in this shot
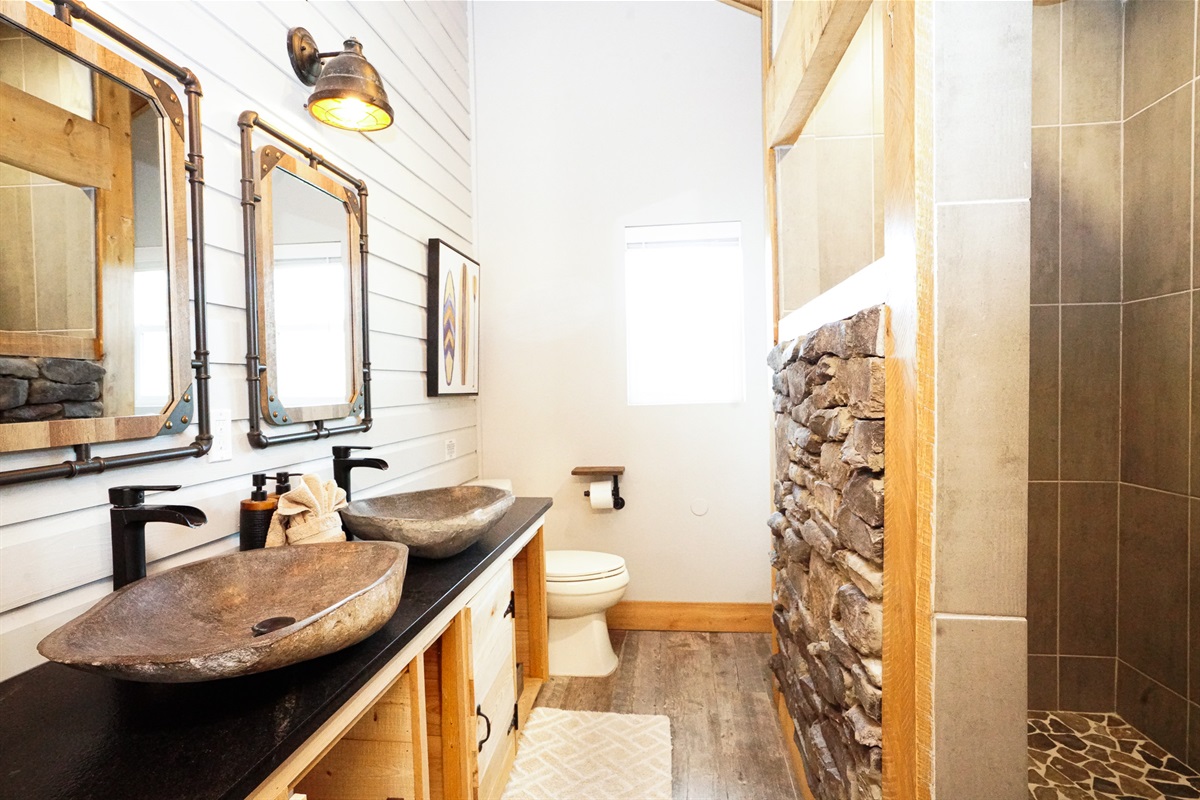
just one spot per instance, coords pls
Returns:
(452, 327)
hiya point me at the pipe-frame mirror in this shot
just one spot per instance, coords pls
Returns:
(95, 322)
(309, 292)
(305, 221)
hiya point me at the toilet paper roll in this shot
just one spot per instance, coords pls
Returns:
(600, 494)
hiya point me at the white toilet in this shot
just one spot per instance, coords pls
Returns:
(581, 585)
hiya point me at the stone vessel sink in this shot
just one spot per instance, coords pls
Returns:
(237, 614)
(436, 523)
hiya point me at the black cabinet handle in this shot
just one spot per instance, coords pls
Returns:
(488, 735)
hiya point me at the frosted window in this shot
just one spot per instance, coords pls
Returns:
(683, 314)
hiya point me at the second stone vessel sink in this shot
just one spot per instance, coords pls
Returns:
(436, 523)
(237, 614)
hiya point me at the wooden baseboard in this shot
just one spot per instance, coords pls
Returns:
(713, 617)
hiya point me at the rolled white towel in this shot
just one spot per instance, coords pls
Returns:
(308, 514)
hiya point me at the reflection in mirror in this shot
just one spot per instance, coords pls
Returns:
(84, 263)
(311, 256)
(829, 183)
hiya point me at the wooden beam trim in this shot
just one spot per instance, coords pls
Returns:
(814, 40)
(770, 170)
(52, 142)
(907, 665)
(923, 130)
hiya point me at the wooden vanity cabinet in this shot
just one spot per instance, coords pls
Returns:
(417, 730)
(384, 755)
(494, 681)
(530, 625)
(491, 662)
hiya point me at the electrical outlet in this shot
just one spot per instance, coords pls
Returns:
(451, 448)
(222, 432)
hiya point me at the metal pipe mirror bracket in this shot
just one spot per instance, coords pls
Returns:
(255, 369)
(84, 463)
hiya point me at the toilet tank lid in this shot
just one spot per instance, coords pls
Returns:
(574, 564)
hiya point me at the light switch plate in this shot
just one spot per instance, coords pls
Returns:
(222, 431)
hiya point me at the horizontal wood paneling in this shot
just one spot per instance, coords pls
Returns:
(54, 539)
(425, 44)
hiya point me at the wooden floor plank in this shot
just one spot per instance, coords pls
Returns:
(715, 687)
(753, 651)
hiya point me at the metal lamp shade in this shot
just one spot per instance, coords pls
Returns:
(350, 94)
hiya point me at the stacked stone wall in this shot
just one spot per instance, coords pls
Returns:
(33, 389)
(827, 536)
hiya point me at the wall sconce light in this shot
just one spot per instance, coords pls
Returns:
(348, 92)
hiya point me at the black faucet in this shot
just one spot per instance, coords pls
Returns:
(343, 463)
(129, 517)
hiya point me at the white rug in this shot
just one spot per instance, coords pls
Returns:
(589, 755)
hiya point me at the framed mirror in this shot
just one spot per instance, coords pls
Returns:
(95, 309)
(306, 279)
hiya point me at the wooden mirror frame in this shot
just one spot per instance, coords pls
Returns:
(189, 374)
(264, 402)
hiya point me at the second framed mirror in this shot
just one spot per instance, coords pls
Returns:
(306, 274)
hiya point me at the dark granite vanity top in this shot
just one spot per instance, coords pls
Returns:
(69, 735)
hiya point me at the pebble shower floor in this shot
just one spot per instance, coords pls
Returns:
(1084, 756)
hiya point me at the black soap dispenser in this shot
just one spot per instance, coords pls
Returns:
(256, 515)
(283, 484)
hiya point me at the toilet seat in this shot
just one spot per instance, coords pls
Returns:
(572, 566)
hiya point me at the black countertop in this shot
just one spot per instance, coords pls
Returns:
(70, 735)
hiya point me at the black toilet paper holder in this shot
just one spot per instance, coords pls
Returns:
(616, 472)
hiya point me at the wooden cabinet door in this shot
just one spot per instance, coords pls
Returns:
(494, 681)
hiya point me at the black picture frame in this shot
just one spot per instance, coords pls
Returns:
(452, 322)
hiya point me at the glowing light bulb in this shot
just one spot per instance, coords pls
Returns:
(350, 113)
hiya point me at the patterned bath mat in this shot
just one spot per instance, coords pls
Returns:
(591, 755)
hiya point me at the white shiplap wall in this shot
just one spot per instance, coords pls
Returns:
(55, 556)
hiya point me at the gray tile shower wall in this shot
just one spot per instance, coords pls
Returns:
(1154, 393)
(1085, 682)
(1152, 627)
(1088, 568)
(1044, 217)
(1043, 573)
(1091, 392)
(1114, 547)
(1075, 354)
(1091, 213)
(1159, 50)
(1157, 583)
(1195, 377)
(1158, 194)
(1091, 62)
(1152, 709)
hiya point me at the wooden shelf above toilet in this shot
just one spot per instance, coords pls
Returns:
(598, 471)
